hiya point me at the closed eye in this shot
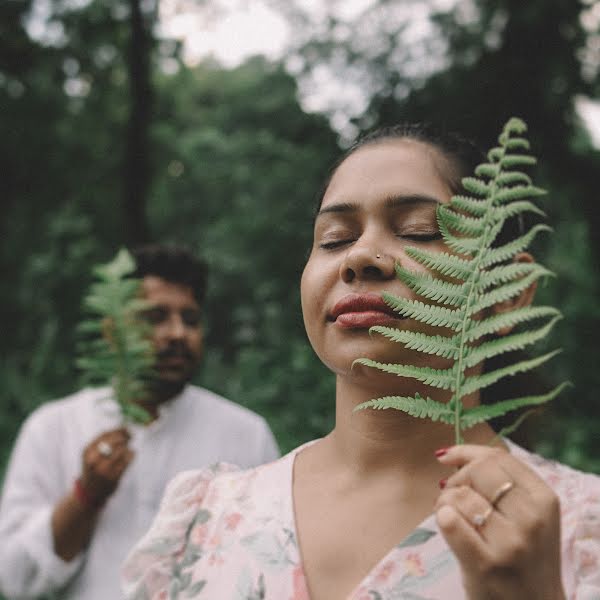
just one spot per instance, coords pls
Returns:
(335, 244)
(424, 237)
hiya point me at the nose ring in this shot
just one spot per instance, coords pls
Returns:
(378, 256)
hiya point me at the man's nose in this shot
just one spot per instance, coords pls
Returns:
(176, 327)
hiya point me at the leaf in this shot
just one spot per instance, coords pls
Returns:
(425, 313)
(416, 407)
(518, 192)
(508, 343)
(514, 317)
(478, 382)
(442, 262)
(462, 224)
(470, 205)
(479, 414)
(438, 345)
(417, 538)
(507, 251)
(440, 378)
(506, 273)
(432, 288)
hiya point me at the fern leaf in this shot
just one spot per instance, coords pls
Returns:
(516, 208)
(517, 144)
(517, 160)
(474, 207)
(518, 192)
(507, 251)
(462, 245)
(478, 329)
(508, 343)
(486, 170)
(418, 406)
(446, 264)
(475, 186)
(512, 177)
(432, 288)
(479, 414)
(437, 345)
(465, 225)
(510, 272)
(425, 313)
(479, 382)
(509, 290)
(439, 378)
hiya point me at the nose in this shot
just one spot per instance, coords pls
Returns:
(176, 327)
(364, 262)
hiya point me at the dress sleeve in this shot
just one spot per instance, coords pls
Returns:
(148, 569)
(586, 544)
(29, 567)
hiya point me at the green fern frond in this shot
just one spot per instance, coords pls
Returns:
(438, 345)
(506, 273)
(460, 223)
(479, 414)
(425, 313)
(116, 349)
(439, 378)
(493, 323)
(512, 178)
(507, 251)
(432, 288)
(508, 343)
(518, 193)
(479, 382)
(416, 407)
(471, 206)
(446, 264)
(517, 208)
(480, 279)
(508, 290)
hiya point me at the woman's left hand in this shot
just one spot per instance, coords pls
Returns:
(503, 524)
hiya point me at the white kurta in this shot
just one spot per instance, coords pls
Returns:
(195, 429)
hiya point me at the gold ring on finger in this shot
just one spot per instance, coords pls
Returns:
(501, 492)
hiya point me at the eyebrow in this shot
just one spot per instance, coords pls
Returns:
(389, 203)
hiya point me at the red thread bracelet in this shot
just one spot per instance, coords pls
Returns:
(83, 497)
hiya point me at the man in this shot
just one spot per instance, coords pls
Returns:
(81, 489)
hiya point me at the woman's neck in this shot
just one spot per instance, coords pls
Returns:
(382, 440)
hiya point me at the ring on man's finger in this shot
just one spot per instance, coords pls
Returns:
(501, 492)
(104, 448)
(480, 518)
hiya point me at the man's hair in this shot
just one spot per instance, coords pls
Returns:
(173, 263)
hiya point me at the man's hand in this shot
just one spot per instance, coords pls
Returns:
(502, 523)
(104, 461)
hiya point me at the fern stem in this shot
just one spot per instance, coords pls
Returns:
(458, 406)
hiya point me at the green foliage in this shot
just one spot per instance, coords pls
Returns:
(482, 276)
(117, 350)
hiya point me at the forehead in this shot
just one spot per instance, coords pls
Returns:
(390, 168)
(157, 290)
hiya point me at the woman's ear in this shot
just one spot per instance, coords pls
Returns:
(525, 298)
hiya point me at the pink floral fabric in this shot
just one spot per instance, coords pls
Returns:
(225, 534)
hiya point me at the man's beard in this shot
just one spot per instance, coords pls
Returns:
(161, 387)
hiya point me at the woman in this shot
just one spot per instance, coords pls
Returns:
(384, 506)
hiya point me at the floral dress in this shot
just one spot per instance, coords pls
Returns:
(226, 534)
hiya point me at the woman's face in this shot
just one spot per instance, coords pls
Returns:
(381, 199)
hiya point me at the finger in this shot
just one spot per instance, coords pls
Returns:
(464, 454)
(466, 543)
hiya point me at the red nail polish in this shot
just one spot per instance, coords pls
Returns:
(442, 483)
(440, 452)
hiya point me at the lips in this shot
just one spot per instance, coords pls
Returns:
(357, 311)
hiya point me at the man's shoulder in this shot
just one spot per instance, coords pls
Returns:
(81, 401)
(203, 400)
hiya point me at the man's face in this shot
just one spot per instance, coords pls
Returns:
(174, 315)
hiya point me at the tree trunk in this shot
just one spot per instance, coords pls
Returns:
(137, 173)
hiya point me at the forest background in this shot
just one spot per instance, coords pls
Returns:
(109, 138)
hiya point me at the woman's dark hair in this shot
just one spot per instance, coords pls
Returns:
(463, 156)
(172, 263)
